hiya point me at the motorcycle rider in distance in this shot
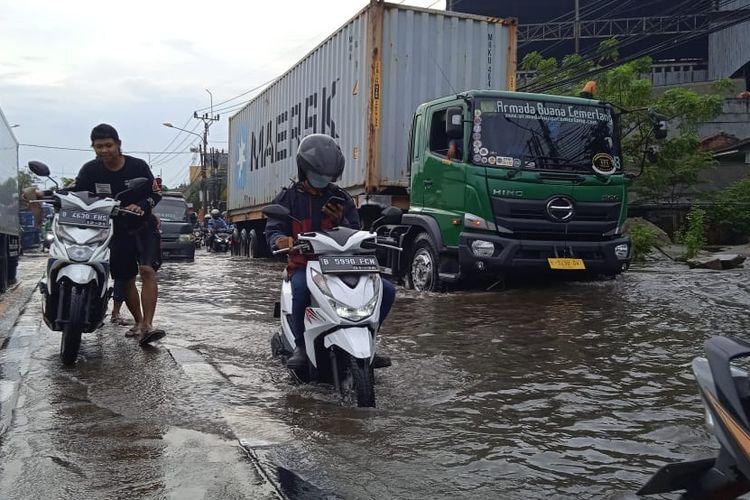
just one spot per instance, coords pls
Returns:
(214, 224)
(309, 200)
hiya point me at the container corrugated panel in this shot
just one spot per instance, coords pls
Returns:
(729, 49)
(8, 179)
(362, 86)
(429, 54)
(326, 92)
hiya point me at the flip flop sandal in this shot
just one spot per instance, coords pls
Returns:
(152, 336)
(133, 332)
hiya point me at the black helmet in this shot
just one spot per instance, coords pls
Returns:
(319, 160)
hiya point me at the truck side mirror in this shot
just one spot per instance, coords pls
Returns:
(454, 123)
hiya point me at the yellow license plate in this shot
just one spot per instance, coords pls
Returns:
(571, 264)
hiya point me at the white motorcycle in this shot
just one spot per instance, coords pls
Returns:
(75, 287)
(341, 323)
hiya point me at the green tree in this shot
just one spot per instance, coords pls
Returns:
(25, 180)
(680, 160)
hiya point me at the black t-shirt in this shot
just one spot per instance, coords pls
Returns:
(95, 177)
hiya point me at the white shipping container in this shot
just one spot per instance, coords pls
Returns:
(8, 179)
(362, 86)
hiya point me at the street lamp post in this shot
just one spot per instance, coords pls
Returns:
(204, 138)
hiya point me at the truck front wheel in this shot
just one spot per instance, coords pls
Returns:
(423, 273)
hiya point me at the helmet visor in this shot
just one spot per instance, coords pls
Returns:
(319, 181)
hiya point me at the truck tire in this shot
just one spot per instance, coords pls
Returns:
(4, 263)
(236, 247)
(243, 243)
(423, 271)
(253, 245)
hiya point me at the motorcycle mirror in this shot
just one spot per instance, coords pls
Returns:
(39, 168)
(276, 212)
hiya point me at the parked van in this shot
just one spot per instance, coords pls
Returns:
(176, 230)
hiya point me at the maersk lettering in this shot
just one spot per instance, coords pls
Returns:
(270, 144)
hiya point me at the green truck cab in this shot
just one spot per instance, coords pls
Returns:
(508, 182)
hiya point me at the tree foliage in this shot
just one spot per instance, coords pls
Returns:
(680, 159)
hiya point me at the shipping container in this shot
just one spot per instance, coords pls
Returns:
(361, 86)
(9, 226)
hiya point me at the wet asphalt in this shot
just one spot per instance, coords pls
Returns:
(561, 389)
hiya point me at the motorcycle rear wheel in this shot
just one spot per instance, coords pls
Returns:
(358, 382)
(70, 342)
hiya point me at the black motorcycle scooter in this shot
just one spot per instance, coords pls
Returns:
(725, 391)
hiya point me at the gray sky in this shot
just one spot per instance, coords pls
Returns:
(67, 66)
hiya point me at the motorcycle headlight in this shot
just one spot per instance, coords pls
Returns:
(357, 313)
(80, 253)
(50, 237)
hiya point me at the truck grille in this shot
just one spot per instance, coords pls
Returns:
(530, 220)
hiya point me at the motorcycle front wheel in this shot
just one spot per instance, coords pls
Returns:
(358, 382)
(70, 343)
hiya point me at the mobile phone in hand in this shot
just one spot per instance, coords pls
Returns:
(335, 200)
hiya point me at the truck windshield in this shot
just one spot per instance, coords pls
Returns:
(533, 134)
(171, 210)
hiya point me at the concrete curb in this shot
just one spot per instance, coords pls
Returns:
(17, 337)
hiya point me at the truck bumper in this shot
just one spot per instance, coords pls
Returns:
(529, 255)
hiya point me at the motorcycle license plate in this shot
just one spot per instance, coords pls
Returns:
(83, 219)
(348, 264)
(567, 264)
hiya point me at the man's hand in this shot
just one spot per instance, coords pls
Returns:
(134, 208)
(335, 212)
(284, 242)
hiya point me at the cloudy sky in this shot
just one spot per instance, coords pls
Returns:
(67, 65)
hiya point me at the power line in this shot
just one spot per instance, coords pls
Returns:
(88, 150)
(586, 58)
(552, 83)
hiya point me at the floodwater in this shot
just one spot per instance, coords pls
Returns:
(573, 390)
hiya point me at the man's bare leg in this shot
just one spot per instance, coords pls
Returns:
(149, 292)
(132, 300)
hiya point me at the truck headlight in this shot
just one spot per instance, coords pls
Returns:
(622, 250)
(80, 253)
(185, 237)
(482, 248)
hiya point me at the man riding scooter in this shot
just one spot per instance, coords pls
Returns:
(315, 203)
(215, 223)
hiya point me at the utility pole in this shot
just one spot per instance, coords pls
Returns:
(208, 119)
(578, 28)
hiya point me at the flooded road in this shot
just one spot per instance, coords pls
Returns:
(578, 390)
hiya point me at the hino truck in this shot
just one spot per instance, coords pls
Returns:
(487, 180)
(9, 226)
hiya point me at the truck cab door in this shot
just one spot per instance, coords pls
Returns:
(416, 158)
(444, 178)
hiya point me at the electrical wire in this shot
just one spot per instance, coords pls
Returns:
(586, 59)
(552, 83)
(88, 150)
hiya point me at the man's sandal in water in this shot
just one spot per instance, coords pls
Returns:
(151, 336)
